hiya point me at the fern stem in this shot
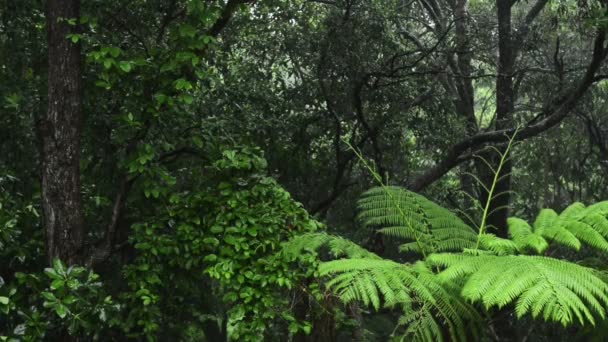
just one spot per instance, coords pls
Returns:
(484, 217)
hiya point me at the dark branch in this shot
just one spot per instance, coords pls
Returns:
(553, 115)
(524, 28)
(227, 14)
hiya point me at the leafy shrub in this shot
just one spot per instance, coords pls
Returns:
(224, 238)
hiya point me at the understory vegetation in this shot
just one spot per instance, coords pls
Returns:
(303, 170)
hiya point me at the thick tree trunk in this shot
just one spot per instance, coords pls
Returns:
(464, 83)
(505, 99)
(60, 132)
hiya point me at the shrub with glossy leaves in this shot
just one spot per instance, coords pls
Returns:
(222, 239)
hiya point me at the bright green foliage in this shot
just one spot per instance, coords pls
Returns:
(522, 235)
(199, 225)
(420, 325)
(226, 237)
(407, 215)
(414, 289)
(337, 246)
(380, 283)
(434, 293)
(497, 245)
(553, 289)
(223, 236)
(577, 224)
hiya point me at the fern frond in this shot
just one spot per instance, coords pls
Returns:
(498, 176)
(337, 246)
(406, 215)
(575, 225)
(369, 281)
(547, 225)
(421, 326)
(560, 291)
(524, 237)
(385, 283)
(595, 216)
(497, 245)
(573, 210)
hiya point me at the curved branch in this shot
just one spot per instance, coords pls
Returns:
(553, 115)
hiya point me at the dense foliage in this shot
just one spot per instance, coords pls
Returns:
(241, 170)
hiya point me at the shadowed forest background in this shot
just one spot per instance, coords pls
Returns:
(303, 170)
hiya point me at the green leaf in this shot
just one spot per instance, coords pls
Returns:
(182, 84)
(57, 284)
(114, 51)
(125, 66)
(211, 241)
(102, 84)
(51, 273)
(108, 63)
(59, 266)
(73, 284)
(186, 98)
(49, 296)
(293, 327)
(4, 300)
(210, 258)
(61, 310)
(69, 300)
(73, 37)
(423, 224)
(187, 30)
(217, 229)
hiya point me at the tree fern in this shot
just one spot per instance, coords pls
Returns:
(547, 226)
(557, 290)
(437, 294)
(497, 245)
(413, 288)
(524, 238)
(403, 214)
(420, 325)
(575, 226)
(378, 283)
(335, 245)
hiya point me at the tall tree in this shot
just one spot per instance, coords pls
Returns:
(60, 132)
(505, 100)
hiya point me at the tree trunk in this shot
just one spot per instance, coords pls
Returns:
(505, 99)
(60, 131)
(464, 69)
(504, 112)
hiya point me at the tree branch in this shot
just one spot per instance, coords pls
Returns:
(524, 28)
(553, 115)
(227, 14)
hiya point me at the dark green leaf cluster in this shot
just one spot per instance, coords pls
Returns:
(227, 237)
(62, 299)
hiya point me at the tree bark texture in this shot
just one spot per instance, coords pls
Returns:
(60, 132)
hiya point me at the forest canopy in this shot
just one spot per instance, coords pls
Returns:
(304, 170)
